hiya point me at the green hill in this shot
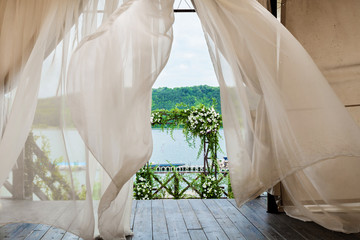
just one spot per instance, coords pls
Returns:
(167, 98)
(48, 109)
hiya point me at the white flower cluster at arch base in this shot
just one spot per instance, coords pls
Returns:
(211, 187)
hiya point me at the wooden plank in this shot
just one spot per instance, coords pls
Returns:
(159, 221)
(273, 221)
(133, 210)
(38, 232)
(240, 221)
(260, 224)
(142, 220)
(70, 236)
(22, 231)
(229, 228)
(313, 231)
(8, 187)
(6, 231)
(174, 220)
(54, 234)
(262, 201)
(210, 226)
(309, 230)
(191, 221)
(197, 234)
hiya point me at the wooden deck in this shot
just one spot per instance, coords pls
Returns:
(196, 219)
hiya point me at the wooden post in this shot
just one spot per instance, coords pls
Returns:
(18, 178)
(205, 156)
(176, 186)
(273, 5)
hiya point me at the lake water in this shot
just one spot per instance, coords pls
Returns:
(166, 148)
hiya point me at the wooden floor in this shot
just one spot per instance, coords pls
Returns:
(195, 219)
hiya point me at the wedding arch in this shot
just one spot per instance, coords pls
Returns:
(197, 122)
(282, 120)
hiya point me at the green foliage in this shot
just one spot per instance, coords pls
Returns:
(230, 192)
(174, 185)
(48, 111)
(43, 173)
(197, 122)
(167, 98)
(143, 183)
(210, 186)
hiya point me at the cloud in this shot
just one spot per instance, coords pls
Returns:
(189, 63)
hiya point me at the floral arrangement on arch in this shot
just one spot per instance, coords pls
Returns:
(201, 121)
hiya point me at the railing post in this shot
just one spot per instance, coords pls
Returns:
(205, 155)
(176, 186)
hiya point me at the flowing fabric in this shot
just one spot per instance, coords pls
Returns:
(109, 93)
(54, 179)
(29, 31)
(280, 115)
(282, 120)
(329, 32)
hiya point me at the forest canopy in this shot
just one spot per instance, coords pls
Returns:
(168, 98)
(48, 109)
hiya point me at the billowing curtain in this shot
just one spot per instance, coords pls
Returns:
(329, 31)
(77, 180)
(282, 120)
(29, 31)
(109, 94)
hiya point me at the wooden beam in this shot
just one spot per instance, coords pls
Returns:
(9, 187)
(184, 10)
(352, 105)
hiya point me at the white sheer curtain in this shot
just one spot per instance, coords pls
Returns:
(54, 180)
(109, 94)
(29, 31)
(328, 29)
(282, 120)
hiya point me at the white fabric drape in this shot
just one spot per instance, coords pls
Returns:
(329, 31)
(280, 114)
(29, 31)
(282, 120)
(46, 186)
(109, 93)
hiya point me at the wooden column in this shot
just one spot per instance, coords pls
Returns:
(273, 5)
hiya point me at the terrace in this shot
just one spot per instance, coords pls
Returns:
(195, 219)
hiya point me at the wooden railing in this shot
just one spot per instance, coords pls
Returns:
(184, 184)
(34, 167)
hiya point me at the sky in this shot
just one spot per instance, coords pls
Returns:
(189, 63)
